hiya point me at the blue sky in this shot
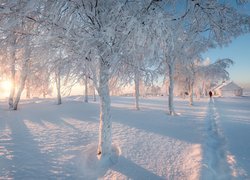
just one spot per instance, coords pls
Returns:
(239, 52)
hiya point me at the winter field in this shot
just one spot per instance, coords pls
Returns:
(206, 141)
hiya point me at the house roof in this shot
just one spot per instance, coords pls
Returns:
(230, 85)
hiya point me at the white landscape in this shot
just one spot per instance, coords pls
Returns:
(159, 107)
(206, 141)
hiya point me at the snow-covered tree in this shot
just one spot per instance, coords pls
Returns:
(215, 21)
(108, 25)
(24, 71)
(19, 28)
(107, 29)
(217, 72)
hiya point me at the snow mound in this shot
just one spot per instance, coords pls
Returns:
(91, 167)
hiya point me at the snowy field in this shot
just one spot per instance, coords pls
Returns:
(206, 141)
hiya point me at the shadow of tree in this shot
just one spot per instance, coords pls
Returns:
(133, 171)
(184, 128)
(27, 161)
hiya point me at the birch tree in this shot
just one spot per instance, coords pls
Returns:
(217, 72)
(111, 23)
(105, 28)
(24, 71)
(216, 21)
(12, 66)
(18, 26)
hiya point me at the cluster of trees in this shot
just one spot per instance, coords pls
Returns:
(107, 42)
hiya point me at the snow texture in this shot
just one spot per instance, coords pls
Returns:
(205, 141)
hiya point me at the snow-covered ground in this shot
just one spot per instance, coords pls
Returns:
(206, 141)
(234, 118)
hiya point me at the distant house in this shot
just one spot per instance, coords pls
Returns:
(228, 89)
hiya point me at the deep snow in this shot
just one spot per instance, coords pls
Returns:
(206, 141)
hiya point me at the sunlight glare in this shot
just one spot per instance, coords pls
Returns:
(6, 85)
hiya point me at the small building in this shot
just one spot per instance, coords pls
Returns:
(227, 89)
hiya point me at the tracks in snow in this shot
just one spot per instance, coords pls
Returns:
(215, 165)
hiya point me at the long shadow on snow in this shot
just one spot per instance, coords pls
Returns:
(132, 170)
(182, 127)
(69, 109)
(6, 152)
(56, 114)
(157, 121)
(28, 162)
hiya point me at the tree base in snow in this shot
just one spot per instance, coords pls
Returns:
(93, 167)
(174, 114)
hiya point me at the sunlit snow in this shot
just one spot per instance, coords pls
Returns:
(43, 140)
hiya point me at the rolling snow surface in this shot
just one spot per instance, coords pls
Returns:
(206, 141)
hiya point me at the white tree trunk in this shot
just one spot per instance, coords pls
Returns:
(58, 86)
(24, 72)
(94, 95)
(12, 72)
(44, 94)
(86, 89)
(191, 93)
(104, 145)
(20, 90)
(137, 89)
(171, 89)
(13, 83)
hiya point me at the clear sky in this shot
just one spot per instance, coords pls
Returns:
(239, 52)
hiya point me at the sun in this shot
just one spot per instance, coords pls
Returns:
(5, 86)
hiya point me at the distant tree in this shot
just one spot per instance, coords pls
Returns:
(215, 21)
(217, 71)
(19, 28)
(72, 29)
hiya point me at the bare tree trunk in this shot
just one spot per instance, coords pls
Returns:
(191, 93)
(94, 95)
(137, 89)
(44, 94)
(171, 89)
(12, 72)
(24, 73)
(58, 86)
(104, 145)
(20, 90)
(13, 86)
(86, 89)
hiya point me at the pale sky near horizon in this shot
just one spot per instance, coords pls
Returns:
(239, 51)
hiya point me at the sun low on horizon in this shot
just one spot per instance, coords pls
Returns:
(5, 87)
